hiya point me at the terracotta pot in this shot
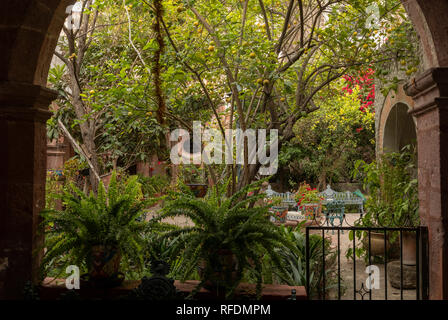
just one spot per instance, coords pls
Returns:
(227, 273)
(311, 210)
(377, 244)
(280, 214)
(104, 264)
(409, 248)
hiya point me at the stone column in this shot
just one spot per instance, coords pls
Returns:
(430, 93)
(23, 114)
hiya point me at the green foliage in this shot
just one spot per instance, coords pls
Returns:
(329, 141)
(295, 262)
(230, 225)
(393, 193)
(113, 88)
(192, 174)
(393, 189)
(155, 185)
(109, 218)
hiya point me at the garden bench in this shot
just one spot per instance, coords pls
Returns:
(346, 198)
(287, 197)
(334, 201)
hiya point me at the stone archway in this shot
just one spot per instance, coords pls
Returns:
(395, 127)
(399, 129)
(430, 22)
(29, 30)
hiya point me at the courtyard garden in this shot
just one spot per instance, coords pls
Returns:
(229, 150)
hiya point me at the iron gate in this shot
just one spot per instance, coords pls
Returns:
(361, 288)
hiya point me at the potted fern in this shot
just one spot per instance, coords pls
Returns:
(95, 232)
(230, 238)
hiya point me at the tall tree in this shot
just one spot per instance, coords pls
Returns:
(106, 100)
(278, 58)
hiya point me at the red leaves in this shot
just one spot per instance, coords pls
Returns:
(365, 82)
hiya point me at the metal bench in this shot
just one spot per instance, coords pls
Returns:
(287, 197)
(346, 198)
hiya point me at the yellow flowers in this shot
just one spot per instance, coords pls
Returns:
(92, 91)
(252, 55)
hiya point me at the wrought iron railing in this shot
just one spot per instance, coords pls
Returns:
(361, 237)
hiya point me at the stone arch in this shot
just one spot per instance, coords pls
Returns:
(29, 31)
(396, 101)
(429, 18)
(399, 129)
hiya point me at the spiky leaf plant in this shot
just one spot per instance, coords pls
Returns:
(110, 219)
(296, 262)
(226, 225)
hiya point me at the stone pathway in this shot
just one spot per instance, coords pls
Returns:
(178, 221)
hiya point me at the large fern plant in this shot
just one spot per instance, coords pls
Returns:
(111, 218)
(222, 225)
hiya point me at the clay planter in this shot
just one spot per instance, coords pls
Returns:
(280, 214)
(377, 245)
(227, 273)
(409, 248)
(103, 265)
(199, 189)
(311, 210)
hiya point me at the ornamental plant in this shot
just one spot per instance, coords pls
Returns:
(229, 239)
(393, 193)
(109, 219)
(306, 194)
(393, 190)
